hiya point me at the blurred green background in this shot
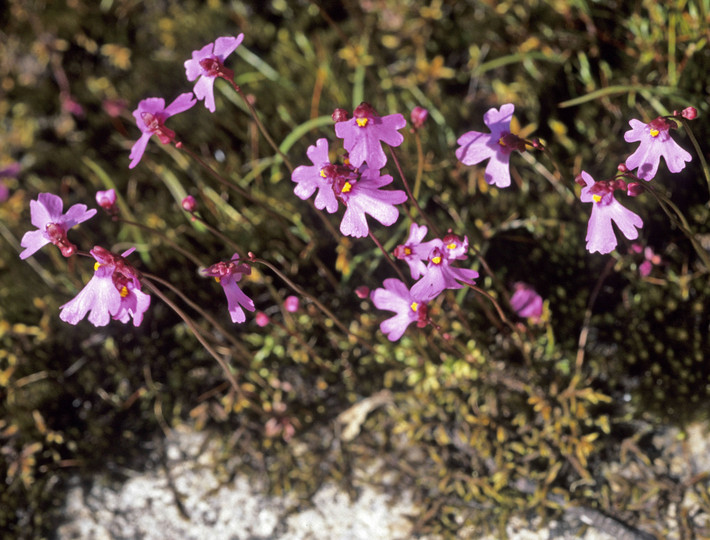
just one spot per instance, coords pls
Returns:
(506, 421)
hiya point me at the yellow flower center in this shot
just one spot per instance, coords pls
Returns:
(654, 132)
(96, 266)
(436, 260)
(407, 251)
(347, 186)
(216, 278)
(362, 122)
(597, 198)
(414, 306)
(451, 246)
(500, 141)
(123, 291)
(322, 173)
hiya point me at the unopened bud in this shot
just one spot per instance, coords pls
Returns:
(363, 291)
(262, 319)
(622, 168)
(107, 200)
(633, 189)
(689, 113)
(419, 115)
(340, 115)
(189, 204)
(291, 304)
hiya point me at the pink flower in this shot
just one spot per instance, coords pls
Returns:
(316, 177)
(107, 200)
(496, 145)
(655, 142)
(228, 274)
(364, 196)
(526, 302)
(363, 134)
(113, 292)
(52, 225)
(414, 252)
(439, 273)
(150, 116)
(207, 64)
(407, 307)
(600, 233)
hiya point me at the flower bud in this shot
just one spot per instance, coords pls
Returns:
(622, 168)
(633, 189)
(107, 200)
(262, 319)
(189, 204)
(419, 115)
(291, 304)
(340, 115)
(689, 113)
(363, 291)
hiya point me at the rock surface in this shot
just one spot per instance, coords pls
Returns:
(186, 500)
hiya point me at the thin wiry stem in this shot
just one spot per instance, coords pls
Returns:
(387, 256)
(164, 237)
(313, 299)
(196, 332)
(584, 333)
(432, 226)
(245, 353)
(261, 126)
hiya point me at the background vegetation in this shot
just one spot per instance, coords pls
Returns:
(480, 421)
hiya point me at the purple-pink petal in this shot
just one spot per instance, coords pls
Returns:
(33, 241)
(498, 170)
(308, 178)
(204, 89)
(77, 213)
(367, 198)
(397, 298)
(474, 147)
(363, 143)
(224, 46)
(236, 299)
(133, 305)
(498, 121)
(648, 155)
(99, 298)
(526, 302)
(138, 149)
(180, 104)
